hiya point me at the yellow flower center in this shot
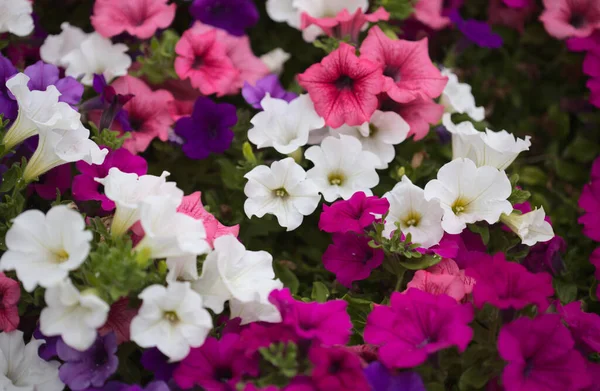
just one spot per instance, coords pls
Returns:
(459, 206)
(171, 316)
(61, 256)
(281, 192)
(335, 179)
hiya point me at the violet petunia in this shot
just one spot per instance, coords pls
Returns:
(233, 16)
(208, 130)
(269, 84)
(352, 215)
(8, 106)
(42, 75)
(157, 363)
(47, 350)
(478, 32)
(382, 379)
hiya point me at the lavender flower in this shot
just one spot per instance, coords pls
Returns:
(267, 85)
(233, 16)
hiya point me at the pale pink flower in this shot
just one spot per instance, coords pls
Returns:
(140, 18)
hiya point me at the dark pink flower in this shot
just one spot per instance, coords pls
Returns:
(445, 278)
(546, 256)
(417, 324)
(419, 113)
(584, 327)
(336, 368)
(540, 356)
(589, 201)
(595, 260)
(500, 13)
(10, 293)
(85, 188)
(59, 178)
(326, 322)
(571, 18)
(408, 71)
(217, 365)
(354, 214)
(345, 24)
(119, 320)
(585, 44)
(506, 284)
(258, 335)
(140, 18)
(351, 258)
(344, 87)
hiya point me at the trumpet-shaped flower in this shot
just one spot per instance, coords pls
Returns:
(413, 214)
(379, 135)
(15, 17)
(22, 369)
(42, 249)
(352, 215)
(140, 18)
(282, 190)
(345, 24)
(231, 272)
(432, 13)
(283, 11)
(128, 190)
(284, 126)
(571, 18)
(342, 167)
(495, 149)
(468, 194)
(73, 315)
(56, 47)
(172, 319)
(457, 97)
(531, 227)
(322, 9)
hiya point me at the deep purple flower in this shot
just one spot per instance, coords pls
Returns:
(336, 368)
(58, 178)
(110, 103)
(208, 130)
(8, 106)
(546, 256)
(351, 258)
(42, 75)
(382, 379)
(47, 351)
(91, 367)
(157, 363)
(352, 215)
(233, 16)
(118, 386)
(480, 33)
(267, 85)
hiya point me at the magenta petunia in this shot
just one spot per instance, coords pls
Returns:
(589, 201)
(408, 71)
(571, 18)
(352, 215)
(328, 322)
(351, 258)
(140, 18)
(584, 327)
(336, 368)
(344, 87)
(417, 324)
(505, 284)
(595, 260)
(345, 24)
(10, 293)
(445, 278)
(59, 178)
(540, 356)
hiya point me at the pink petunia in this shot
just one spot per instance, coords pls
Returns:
(419, 114)
(571, 18)
(589, 201)
(505, 284)
(408, 71)
(10, 293)
(119, 320)
(140, 18)
(345, 24)
(354, 214)
(344, 87)
(445, 278)
(430, 13)
(541, 356)
(417, 324)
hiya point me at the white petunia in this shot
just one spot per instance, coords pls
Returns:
(496, 149)
(414, 214)
(468, 194)
(59, 146)
(15, 17)
(257, 307)
(182, 268)
(168, 233)
(22, 369)
(283, 11)
(128, 190)
(42, 249)
(37, 110)
(531, 227)
(275, 59)
(284, 126)
(97, 55)
(56, 47)
(342, 167)
(172, 319)
(73, 315)
(379, 135)
(282, 190)
(231, 272)
(457, 98)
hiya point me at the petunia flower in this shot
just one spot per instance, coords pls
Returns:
(352, 215)
(589, 201)
(445, 278)
(584, 327)
(321, 9)
(208, 129)
(344, 87)
(413, 214)
(500, 12)
(91, 367)
(382, 379)
(336, 368)
(595, 260)
(217, 365)
(119, 320)
(282, 190)
(431, 13)
(480, 33)
(351, 258)
(468, 194)
(43, 249)
(540, 355)
(344, 24)
(59, 178)
(27, 370)
(284, 126)
(419, 113)
(283, 11)
(408, 71)
(417, 324)
(73, 315)
(570, 18)
(341, 167)
(457, 97)
(16, 17)
(140, 18)
(172, 319)
(275, 59)
(379, 135)
(505, 284)
(231, 272)
(233, 16)
(154, 361)
(10, 293)
(531, 227)
(546, 256)
(8, 107)
(254, 94)
(56, 47)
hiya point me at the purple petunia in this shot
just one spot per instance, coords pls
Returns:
(480, 33)
(269, 84)
(382, 379)
(233, 16)
(8, 106)
(42, 75)
(208, 130)
(157, 363)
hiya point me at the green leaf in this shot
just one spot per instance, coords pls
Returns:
(108, 138)
(475, 377)
(320, 292)
(532, 175)
(482, 230)
(286, 276)
(518, 196)
(421, 263)
(566, 291)
(11, 177)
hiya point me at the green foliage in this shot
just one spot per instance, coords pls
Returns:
(108, 138)
(281, 361)
(320, 293)
(159, 57)
(398, 9)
